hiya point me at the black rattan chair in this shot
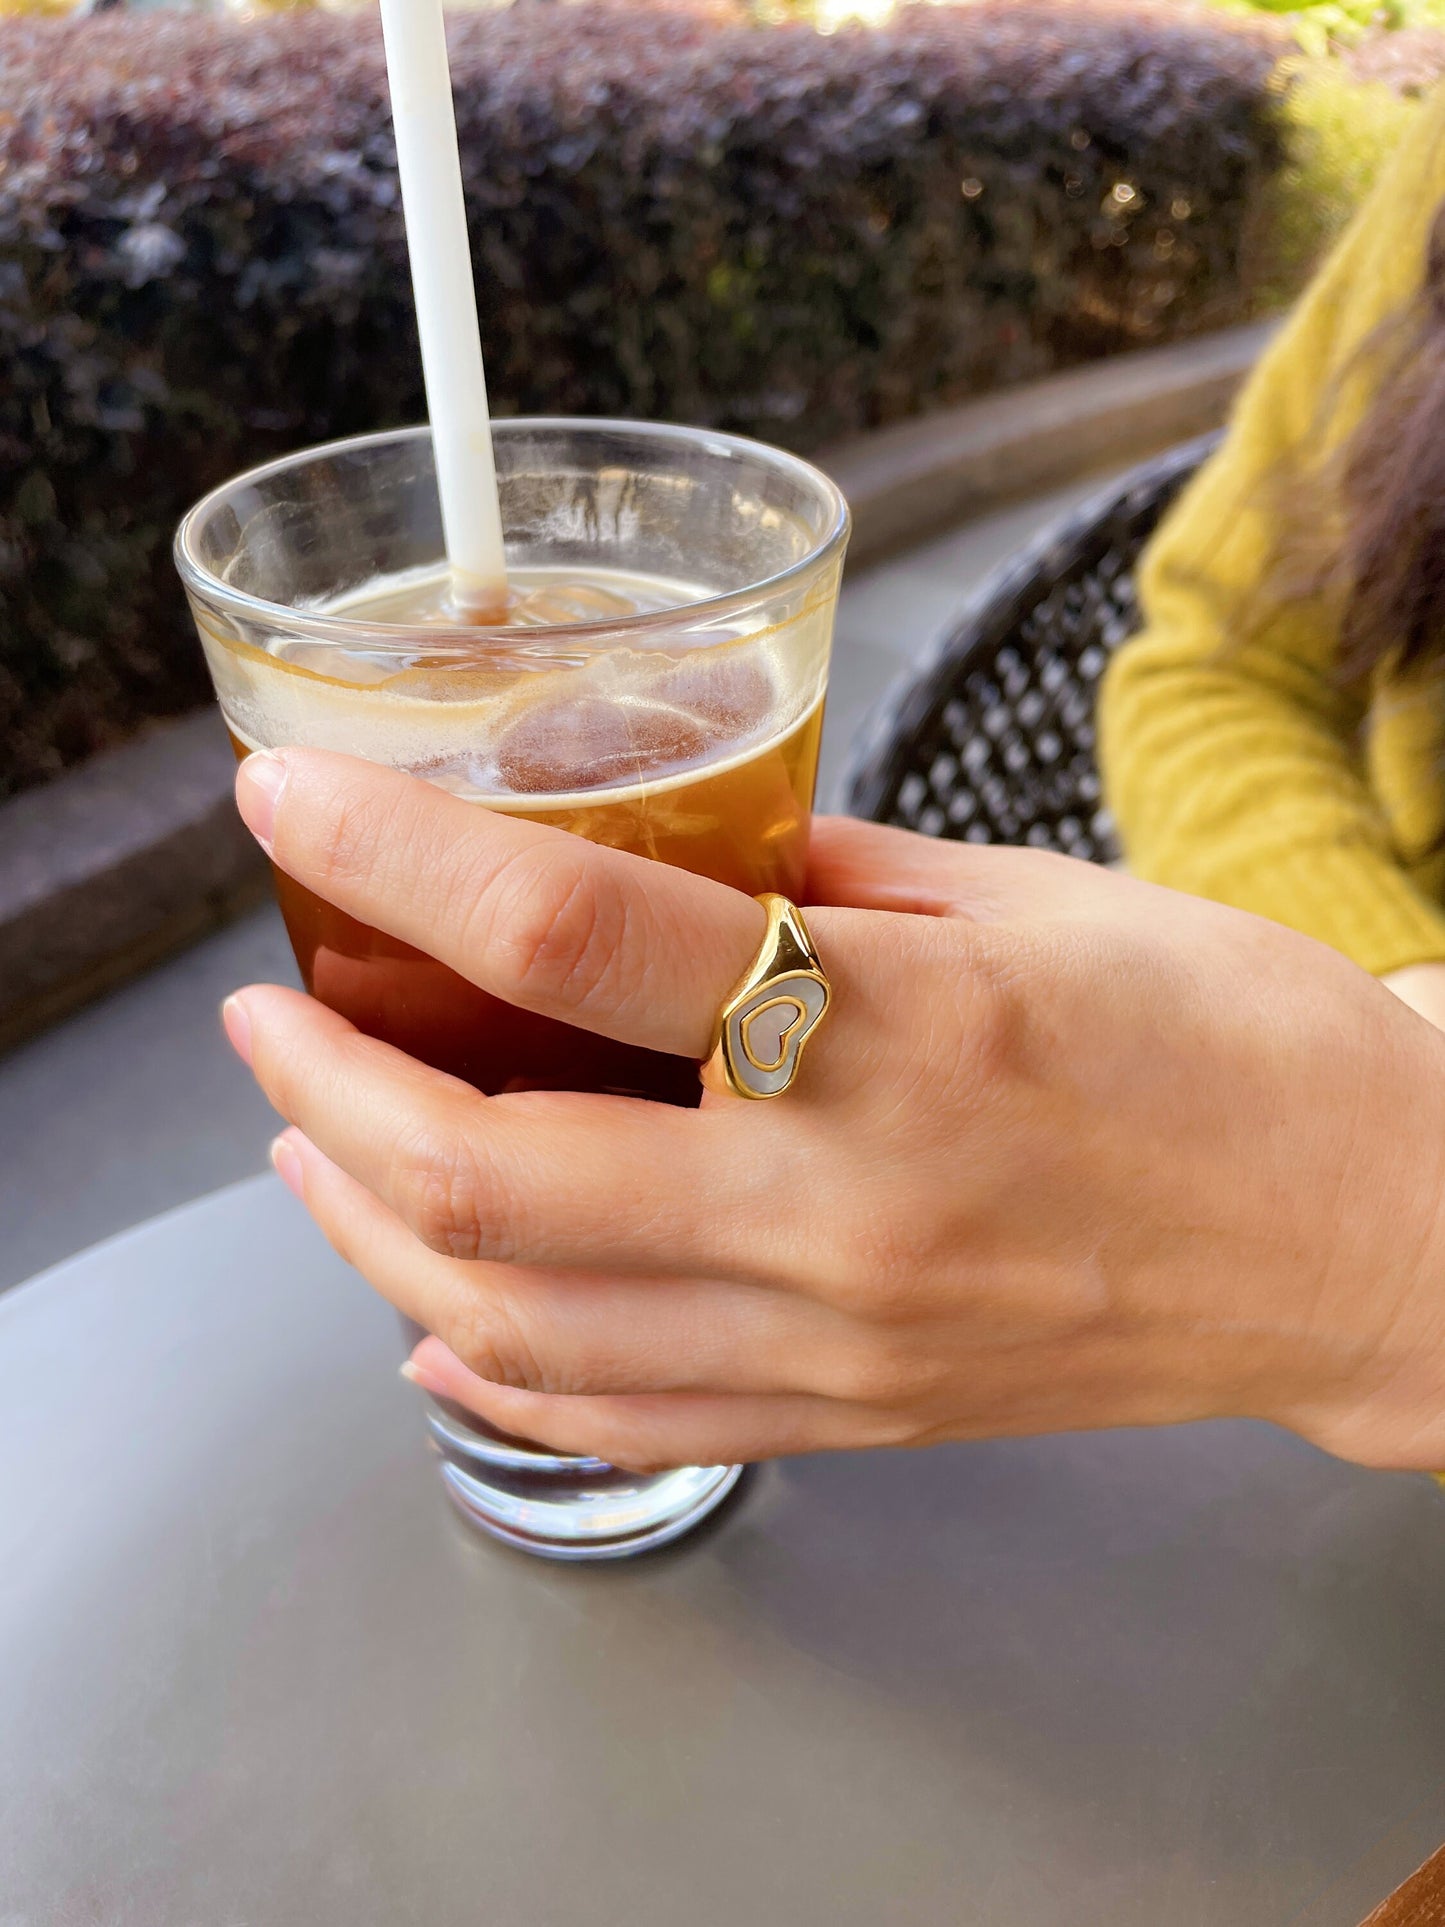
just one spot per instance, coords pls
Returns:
(992, 739)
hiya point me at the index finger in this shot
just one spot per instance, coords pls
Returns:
(619, 944)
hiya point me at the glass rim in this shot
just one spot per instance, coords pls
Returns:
(198, 579)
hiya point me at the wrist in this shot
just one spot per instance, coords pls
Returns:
(1378, 1395)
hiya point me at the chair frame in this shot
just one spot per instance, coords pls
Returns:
(953, 720)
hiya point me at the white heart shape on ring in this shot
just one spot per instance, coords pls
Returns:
(768, 1029)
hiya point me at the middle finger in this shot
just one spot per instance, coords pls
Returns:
(537, 1178)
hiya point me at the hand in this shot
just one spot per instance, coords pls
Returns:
(1070, 1151)
(1422, 987)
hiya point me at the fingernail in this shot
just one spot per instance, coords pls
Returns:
(418, 1375)
(237, 1025)
(286, 1162)
(259, 783)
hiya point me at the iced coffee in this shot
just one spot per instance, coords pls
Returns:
(704, 758)
(657, 685)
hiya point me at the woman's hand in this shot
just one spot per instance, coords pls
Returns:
(1422, 987)
(1070, 1151)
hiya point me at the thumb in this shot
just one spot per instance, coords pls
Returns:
(872, 866)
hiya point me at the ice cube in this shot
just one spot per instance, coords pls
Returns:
(594, 743)
(459, 775)
(730, 692)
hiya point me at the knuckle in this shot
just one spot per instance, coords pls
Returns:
(339, 844)
(901, 1425)
(884, 1259)
(449, 1197)
(495, 1345)
(554, 930)
(875, 1374)
(993, 992)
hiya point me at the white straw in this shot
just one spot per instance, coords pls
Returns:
(446, 301)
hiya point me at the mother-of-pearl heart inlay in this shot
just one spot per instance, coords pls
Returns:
(768, 1029)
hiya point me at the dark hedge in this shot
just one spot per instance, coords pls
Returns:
(201, 257)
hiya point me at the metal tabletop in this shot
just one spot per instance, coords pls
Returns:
(254, 1674)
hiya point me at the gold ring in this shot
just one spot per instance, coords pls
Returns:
(772, 1010)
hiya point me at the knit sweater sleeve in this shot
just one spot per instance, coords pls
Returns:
(1232, 762)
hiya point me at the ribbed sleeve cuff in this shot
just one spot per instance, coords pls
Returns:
(1352, 899)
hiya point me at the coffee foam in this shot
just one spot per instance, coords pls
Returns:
(539, 738)
(530, 726)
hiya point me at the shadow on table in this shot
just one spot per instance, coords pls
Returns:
(1143, 1632)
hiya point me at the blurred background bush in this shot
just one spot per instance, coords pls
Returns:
(704, 213)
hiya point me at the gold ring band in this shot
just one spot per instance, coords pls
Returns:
(771, 1011)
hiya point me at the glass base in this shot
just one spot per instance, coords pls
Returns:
(559, 1506)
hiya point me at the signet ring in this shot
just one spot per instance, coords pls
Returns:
(772, 1011)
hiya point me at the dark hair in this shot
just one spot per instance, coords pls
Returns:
(1366, 531)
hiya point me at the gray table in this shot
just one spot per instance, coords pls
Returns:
(253, 1674)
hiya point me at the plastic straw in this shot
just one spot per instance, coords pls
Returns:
(446, 302)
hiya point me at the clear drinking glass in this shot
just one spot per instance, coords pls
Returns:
(675, 712)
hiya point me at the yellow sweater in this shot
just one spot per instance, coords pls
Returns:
(1242, 770)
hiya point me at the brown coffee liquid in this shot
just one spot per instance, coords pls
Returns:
(709, 792)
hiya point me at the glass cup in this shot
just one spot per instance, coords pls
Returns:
(679, 720)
